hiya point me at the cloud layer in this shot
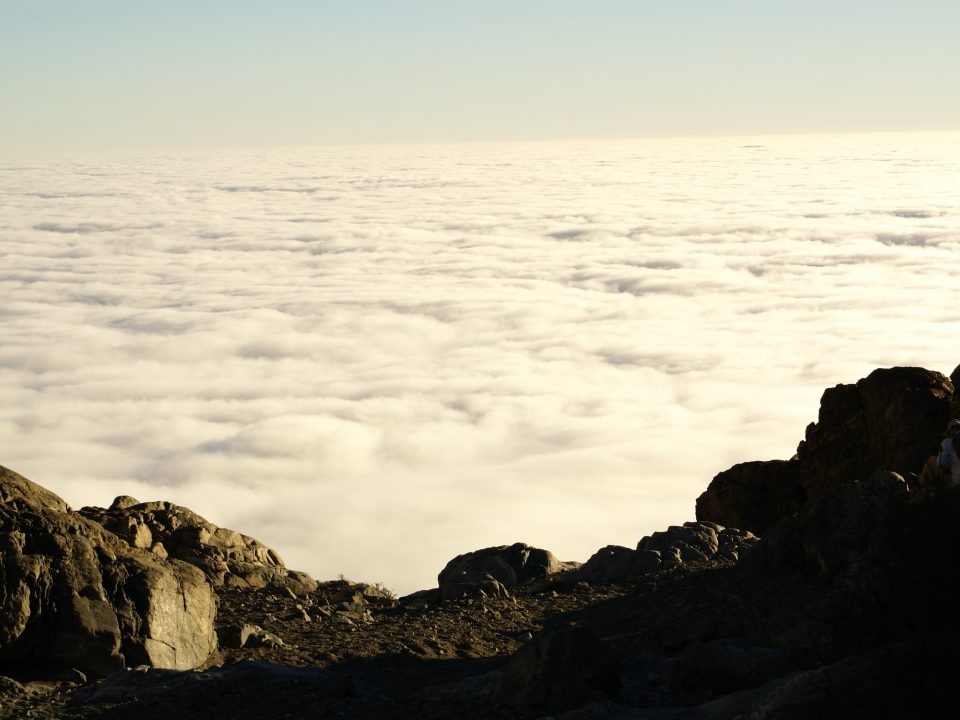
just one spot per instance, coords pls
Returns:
(374, 359)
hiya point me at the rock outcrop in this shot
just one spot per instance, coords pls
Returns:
(835, 534)
(845, 607)
(754, 495)
(664, 550)
(497, 570)
(891, 420)
(226, 557)
(73, 595)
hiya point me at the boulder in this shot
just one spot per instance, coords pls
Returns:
(891, 420)
(74, 595)
(615, 563)
(497, 570)
(243, 635)
(697, 542)
(753, 495)
(227, 558)
(559, 669)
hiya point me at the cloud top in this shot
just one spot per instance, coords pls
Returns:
(375, 359)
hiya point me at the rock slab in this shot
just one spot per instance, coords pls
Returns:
(72, 595)
(228, 558)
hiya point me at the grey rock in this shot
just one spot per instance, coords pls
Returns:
(247, 635)
(73, 595)
(700, 541)
(497, 570)
(226, 557)
(235, 636)
(615, 563)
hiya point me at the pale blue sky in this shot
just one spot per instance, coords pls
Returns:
(138, 74)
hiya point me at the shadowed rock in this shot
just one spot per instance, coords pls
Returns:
(557, 670)
(753, 495)
(890, 420)
(244, 689)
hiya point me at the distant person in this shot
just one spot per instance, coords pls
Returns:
(944, 468)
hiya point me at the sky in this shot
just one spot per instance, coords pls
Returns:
(380, 283)
(121, 75)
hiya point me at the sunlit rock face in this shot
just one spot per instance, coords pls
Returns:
(74, 595)
(227, 557)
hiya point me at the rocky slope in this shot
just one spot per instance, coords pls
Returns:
(841, 603)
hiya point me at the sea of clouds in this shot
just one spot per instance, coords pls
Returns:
(374, 359)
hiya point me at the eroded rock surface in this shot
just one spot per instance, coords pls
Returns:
(496, 570)
(73, 595)
(226, 557)
(702, 542)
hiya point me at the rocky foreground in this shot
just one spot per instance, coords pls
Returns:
(821, 586)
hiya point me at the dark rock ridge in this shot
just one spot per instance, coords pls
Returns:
(74, 595)
(755, 495)
(846, 607)
(226, 557)
(890, 420)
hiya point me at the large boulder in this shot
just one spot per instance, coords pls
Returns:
(74, 595)
(753, 495)
(615, 563)
(227, 558)
(891, 420)
(496, 570)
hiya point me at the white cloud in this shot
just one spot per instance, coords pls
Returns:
(375, 359)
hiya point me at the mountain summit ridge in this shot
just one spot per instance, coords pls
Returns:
(840, 603)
